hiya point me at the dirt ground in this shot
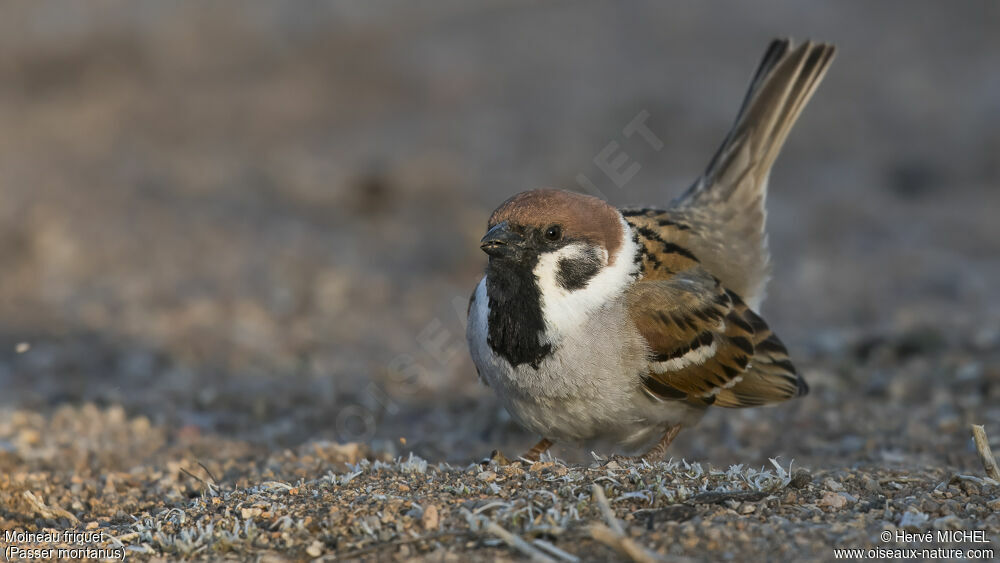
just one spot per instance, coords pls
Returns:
(237, 240)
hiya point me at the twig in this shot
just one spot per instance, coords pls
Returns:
(609, 515)
(613, 535)
(193, 476)
(50, 513)
(214, 480)
(209, 486)
(517, 543)
(985, 455)
(621, 544)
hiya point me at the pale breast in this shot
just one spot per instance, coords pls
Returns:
(589, 388)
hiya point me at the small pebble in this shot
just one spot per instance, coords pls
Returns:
(870, 485)
(315, 549)
(833, 500)
(430, 520)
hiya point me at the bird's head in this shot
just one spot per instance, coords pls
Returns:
(562, 237)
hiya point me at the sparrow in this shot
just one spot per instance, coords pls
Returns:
(593, 323)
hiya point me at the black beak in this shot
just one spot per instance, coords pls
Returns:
(501, 241)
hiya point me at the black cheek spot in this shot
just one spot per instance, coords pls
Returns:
(575, 273)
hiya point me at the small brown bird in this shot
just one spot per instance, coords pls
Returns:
(594, 323)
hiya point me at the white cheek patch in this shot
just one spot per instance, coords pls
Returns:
(549, 267)
(564, 310)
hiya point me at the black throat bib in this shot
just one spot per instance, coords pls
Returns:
(515, 319)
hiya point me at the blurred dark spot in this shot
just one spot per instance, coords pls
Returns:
(718, 497)
(16, 247)
(63, 70)
(672, 513)
(917, 341)
(865, 346)
(876, 502)
(372, 195)
(800, 479)
(920, 341)
(914, 178)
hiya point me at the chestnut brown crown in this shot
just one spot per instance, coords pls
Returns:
(577, 216)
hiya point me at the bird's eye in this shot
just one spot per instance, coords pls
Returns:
(554, 232)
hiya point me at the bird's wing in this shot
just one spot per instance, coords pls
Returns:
(706, 346)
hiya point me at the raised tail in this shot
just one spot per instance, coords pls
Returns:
(730, 194)
(783, 83)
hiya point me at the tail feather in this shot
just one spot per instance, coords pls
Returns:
(730, 195)
(785, 80)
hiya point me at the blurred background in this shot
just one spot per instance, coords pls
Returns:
(257, 223)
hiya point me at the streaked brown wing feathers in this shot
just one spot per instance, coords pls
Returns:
(707, 346)
(770, 377)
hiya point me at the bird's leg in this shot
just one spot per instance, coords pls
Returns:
(656, 452)
(496, 457)
(537, 450)
(531, 455)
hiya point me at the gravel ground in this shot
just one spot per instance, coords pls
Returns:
(236, 243)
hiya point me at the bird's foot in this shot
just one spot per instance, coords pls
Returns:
(652, 455)
(529, 456)
(498, 458)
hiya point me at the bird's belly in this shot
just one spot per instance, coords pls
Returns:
(582, 419)
(627, 421)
